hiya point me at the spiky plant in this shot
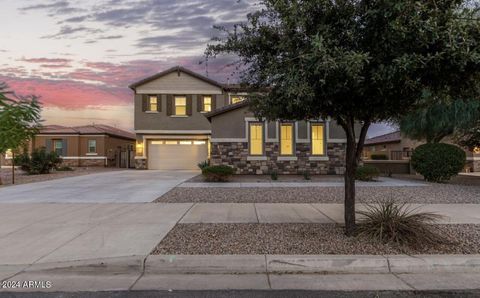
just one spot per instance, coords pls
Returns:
(392, 222)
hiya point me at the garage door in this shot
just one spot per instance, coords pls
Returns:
(176, 154)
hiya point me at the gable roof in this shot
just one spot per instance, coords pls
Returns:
(226, 109)
(100, 129)
(392, 137)
(175, 69)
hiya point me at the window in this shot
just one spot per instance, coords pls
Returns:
(207, 103)
(256, 139)
(92, 146)
(58, 147)
(199, 142)
(237, 98)
(318, 140)
(185, 142)
(152, 103)
(8, 154)
(180, 105)
(286, 139)
(476, 150)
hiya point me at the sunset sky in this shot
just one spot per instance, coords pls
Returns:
(79, 56)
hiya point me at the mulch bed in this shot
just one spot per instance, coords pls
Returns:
(301, 239)
(433, 193)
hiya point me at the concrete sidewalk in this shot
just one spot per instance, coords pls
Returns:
(321, 272)
(382, 182)
(311, 213)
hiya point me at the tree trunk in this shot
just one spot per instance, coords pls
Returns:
(352, 158)
(13, 167)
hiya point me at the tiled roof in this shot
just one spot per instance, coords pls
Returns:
(87, 129)
(226, 109)
(386, 138)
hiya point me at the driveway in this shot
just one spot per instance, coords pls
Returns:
(111, 187)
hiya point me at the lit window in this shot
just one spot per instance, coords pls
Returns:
(317, 140)
(286, 139)
(180, 105)
(171, 142)
(92, 146)
(476, 150)
(58, 147)
(9, 153)
(198, 142)
(256, 139)
(237, 98)
(157, 142)
(153, 103)
(207, 103)
(185, 142)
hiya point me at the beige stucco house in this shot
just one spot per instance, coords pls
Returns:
(183, 118)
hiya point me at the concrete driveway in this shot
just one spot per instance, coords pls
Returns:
(111, 187)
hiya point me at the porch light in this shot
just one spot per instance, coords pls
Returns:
(139, 148)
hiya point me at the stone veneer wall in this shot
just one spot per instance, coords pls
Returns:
(235, 154)
(83, 162)
(140, 163)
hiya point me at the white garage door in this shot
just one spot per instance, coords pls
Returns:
(176, 154)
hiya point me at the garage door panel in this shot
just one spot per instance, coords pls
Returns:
(176, 155)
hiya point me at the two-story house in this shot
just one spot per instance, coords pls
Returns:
(183, 118)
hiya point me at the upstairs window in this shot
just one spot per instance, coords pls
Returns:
(180, 105)
(92, 146)
(237, 98)
(58, 147)
(207, 103)
(286, 139)
(153, 103)
(318, 139)
(256, 138)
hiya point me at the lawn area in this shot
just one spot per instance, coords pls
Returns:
(22, 178)
(461, 189)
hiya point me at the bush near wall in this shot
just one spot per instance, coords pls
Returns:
(366, 173)
(438, 162)
(379, 157)
(219, 173)
(39, 162)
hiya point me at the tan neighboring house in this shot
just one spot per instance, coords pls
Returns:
(89, 145)
(397, 147)
(183, 118)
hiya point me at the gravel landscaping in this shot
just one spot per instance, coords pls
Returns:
(433, 193)
(23, 178)
(300, 239)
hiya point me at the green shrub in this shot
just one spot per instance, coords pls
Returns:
(274, 175)
(203, 164)
(438, 162)
(379, 157)
(367, 173)
(391, 222)
(306, 175)
(217, 173)
(39, 162)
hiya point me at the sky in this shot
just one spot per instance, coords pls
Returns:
(80, 56)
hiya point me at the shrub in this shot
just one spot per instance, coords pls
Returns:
(306, 175)
(438, 162)
(366, 173)
(39, 162)
(64, 169)
(203, 164)
(217, 173)
(391, 222)
(379, 157)
(274, 175)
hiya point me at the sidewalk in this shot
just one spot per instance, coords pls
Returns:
(311, 213)
(322, 272)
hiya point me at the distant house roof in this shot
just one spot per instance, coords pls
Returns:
(392, 137)
(175, 69)
(94, 129)
(226, 109)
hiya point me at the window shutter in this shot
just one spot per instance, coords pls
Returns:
(214, 102)
(144, 102)
(199, 103)
(48, 145)
(169, 104)
(159, 103)
(189, 105)
(64, 147)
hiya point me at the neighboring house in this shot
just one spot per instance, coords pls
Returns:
(89, 145)
(398, 147)
(182, 118)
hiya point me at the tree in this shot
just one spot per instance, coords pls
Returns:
(434, 122)
(19, 121)
(355, 61)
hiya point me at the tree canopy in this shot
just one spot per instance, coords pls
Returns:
(355, 61)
